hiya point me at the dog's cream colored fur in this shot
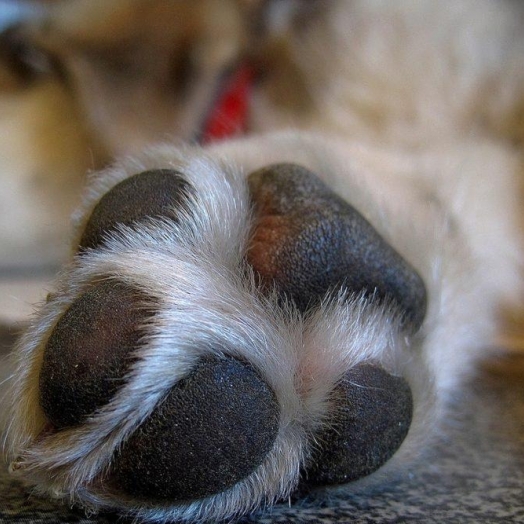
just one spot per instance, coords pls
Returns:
(410, 111)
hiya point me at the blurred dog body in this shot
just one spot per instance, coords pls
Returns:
(97, 80)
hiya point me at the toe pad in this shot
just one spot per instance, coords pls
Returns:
(211, 431)
(371, 418)
(156, 193)
(90, 351)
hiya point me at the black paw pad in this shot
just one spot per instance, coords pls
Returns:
(89, 352)
(157, 193)
(371, 418)
(211, 431)
(308, 241)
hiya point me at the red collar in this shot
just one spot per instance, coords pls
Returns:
(228, 116)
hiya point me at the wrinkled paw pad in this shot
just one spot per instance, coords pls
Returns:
(370, 418)
(308, 241)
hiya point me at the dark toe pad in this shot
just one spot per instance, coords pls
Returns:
(90, 350)
(156, 193)
(307, 241)
(371, 417)
(211, 431)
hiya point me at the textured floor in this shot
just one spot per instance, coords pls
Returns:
(474, 473)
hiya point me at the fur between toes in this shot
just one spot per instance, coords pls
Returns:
(191, 314)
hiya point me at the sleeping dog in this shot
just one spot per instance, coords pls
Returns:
(290, 308)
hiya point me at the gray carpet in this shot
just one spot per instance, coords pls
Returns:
(474, 473)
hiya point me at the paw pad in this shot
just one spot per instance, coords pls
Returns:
(370, 419)
(210, 431)
(156, 193)
(308, 241)
(90, 350)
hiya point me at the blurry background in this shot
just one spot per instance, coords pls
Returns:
(17, 291)
(35, 125)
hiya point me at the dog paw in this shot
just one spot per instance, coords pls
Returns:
(219, 339)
